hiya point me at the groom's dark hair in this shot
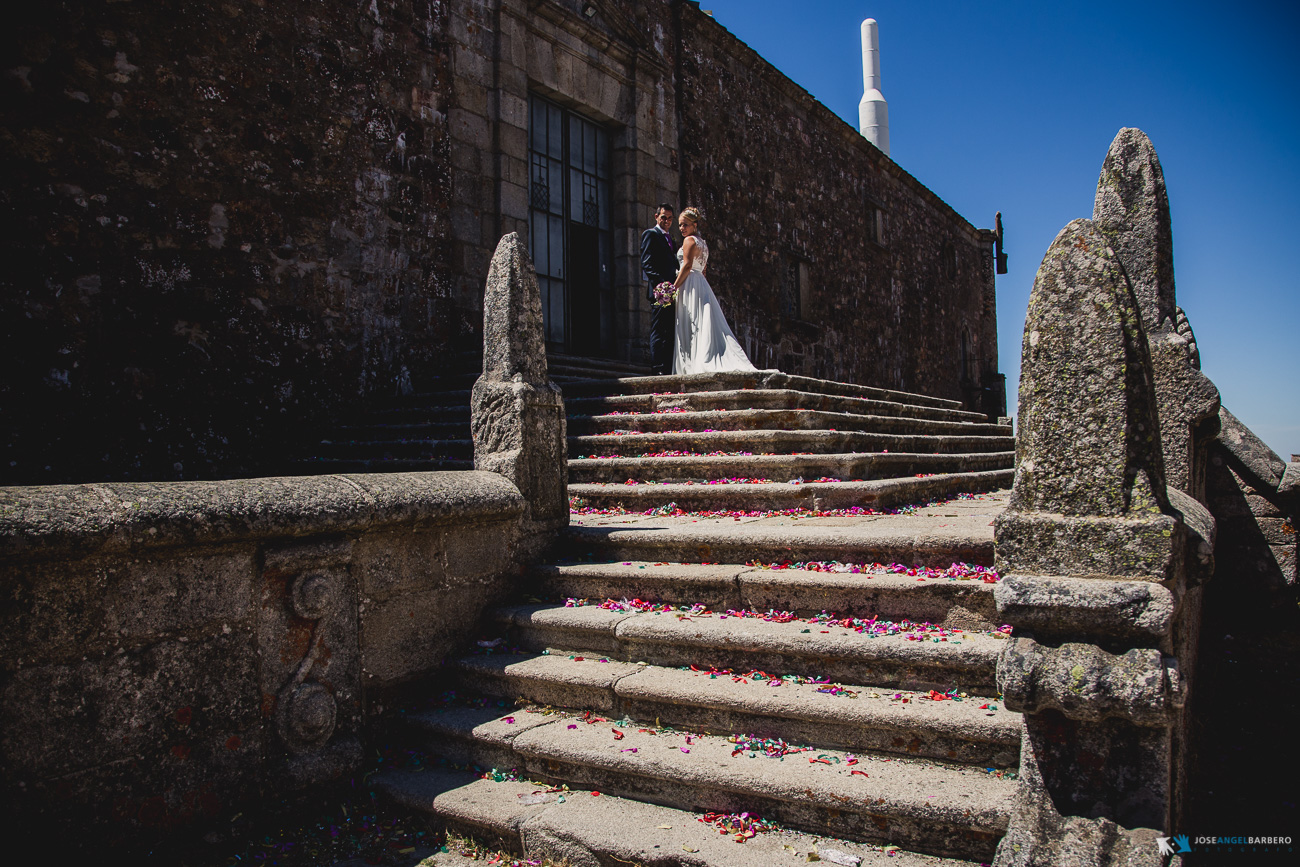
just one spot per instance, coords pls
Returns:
(664, 206)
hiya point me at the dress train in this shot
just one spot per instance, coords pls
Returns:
(704, 341)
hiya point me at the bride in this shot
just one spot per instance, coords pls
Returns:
(704, 341)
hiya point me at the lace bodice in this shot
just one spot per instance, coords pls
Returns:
(701, 255)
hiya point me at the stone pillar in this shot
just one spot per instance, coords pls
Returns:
(517, 413)
(1131, 210)
(1095, 553)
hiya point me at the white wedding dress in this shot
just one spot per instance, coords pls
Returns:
(704, 341)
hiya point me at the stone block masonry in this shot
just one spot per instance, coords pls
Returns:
(830, 259)
(221, 224)
(172, 649)
(224, 228)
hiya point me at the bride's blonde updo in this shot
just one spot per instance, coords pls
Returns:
(694, 215)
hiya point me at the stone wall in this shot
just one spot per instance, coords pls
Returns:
(829, 259)
(221, 221)
(226, 224)
(170, 649)
(614, 68)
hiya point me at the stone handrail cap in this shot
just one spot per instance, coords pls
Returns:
(64, 519)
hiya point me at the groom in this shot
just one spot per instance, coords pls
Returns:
(659, 264)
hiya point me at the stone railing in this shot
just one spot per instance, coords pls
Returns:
(1255, 496)
(1106, 542)
(1134, 487)
(169, 649)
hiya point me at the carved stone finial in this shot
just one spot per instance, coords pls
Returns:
(516, 413)
(514, 344)
(1089, 498)
(1132, 211)
(1089, 441)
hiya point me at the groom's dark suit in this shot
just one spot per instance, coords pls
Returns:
(659, 264)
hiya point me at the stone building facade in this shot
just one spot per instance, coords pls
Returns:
(228, 222)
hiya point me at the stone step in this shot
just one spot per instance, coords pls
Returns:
(397, 449)
(784, 468)
(593, 371)
(419, 400)
(363, 431)
(964, 604)
(702, 496)
(783, 442)
(597, 369)
(451, 412)
(437, 385)
(943, 810)
(967, 731)
(331, 466)
(768, 379)
(961, 533)
(917, 660)
(608, 829)
(703, 401)
(774, 419)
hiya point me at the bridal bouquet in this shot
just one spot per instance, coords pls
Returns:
(665, 294)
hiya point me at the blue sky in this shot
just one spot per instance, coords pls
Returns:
(1010, 106)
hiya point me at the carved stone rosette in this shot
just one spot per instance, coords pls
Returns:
(310, 671)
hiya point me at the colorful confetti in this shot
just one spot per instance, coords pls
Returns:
(580, 506)
(740, 826)
(872, 627)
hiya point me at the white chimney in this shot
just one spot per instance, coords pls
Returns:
(873, 111)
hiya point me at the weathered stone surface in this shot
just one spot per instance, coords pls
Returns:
(310, 671)
(178, 709)
(222, 238)
(1150, 548)
(58, 520)
(1059, 607)
(593, 832)
(167, 649)
(1261, 462)
(1057, 819)
(1201, 532)
(1086, 683)
(1187, 405)
(514, 345)
(1183, 328)
(64, 613)
(1290, 484)
(940, 810)
(407, 636)
(1131, 210)
(1089, 438)
(1255, 578)
(517, 414)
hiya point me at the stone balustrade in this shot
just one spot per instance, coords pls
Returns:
(171, 649)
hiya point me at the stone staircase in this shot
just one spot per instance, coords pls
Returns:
(768, 440)
(662, 662)
(429, 430)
